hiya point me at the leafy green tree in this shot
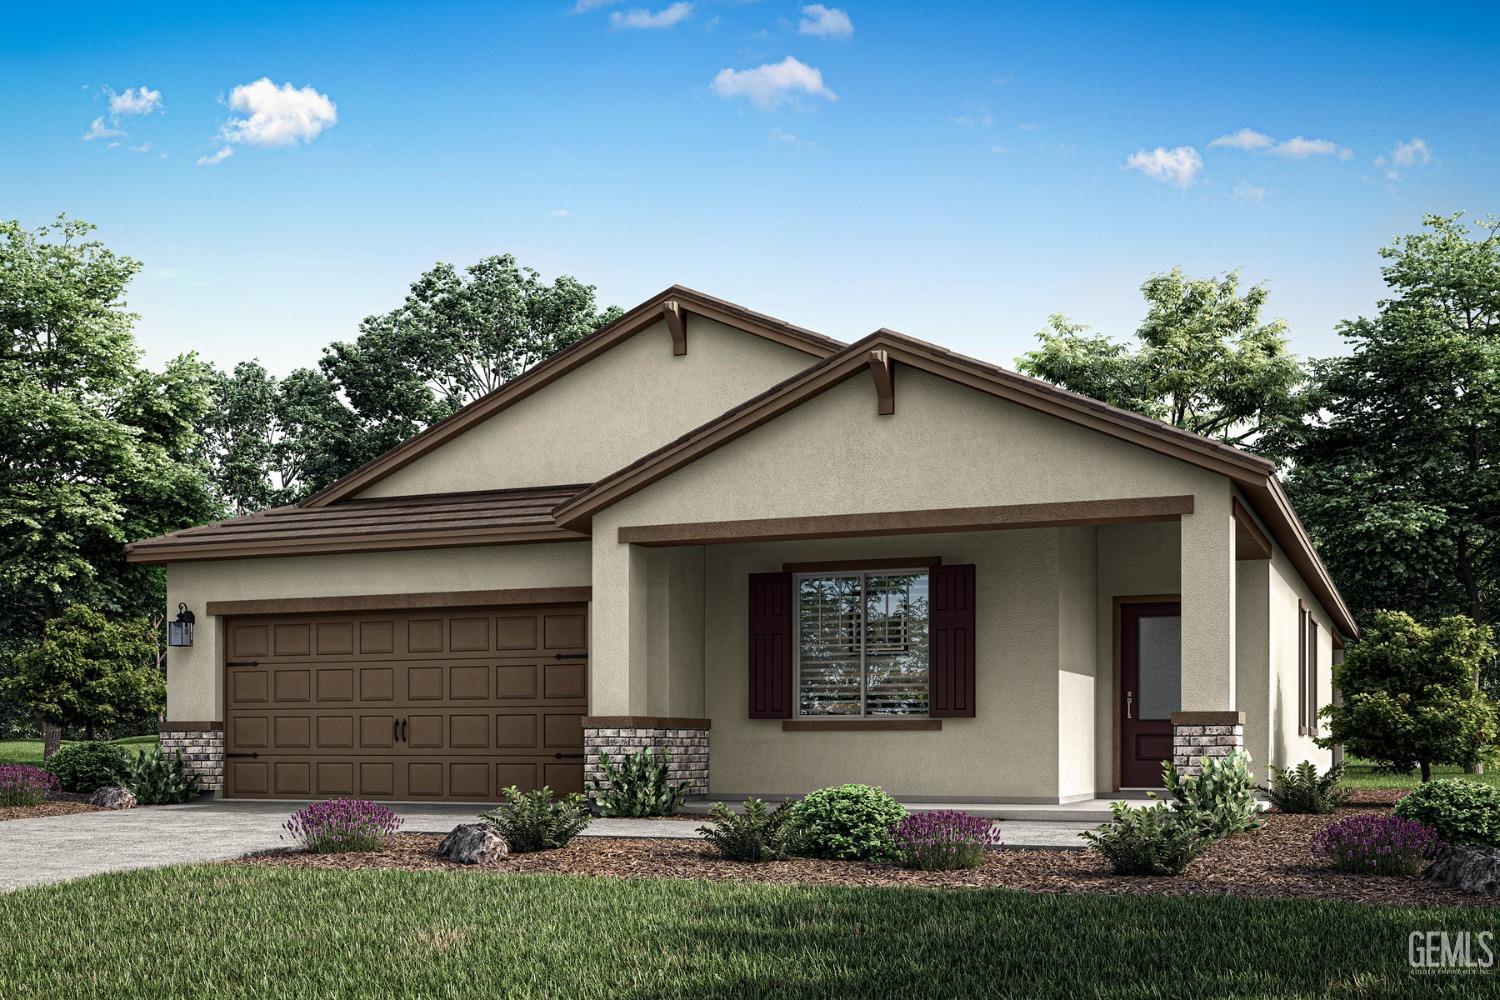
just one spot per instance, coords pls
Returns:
(97, 451)
(1396, 471)
(1204, 361)
(88, 671)
(1408, 694)
(454, 339)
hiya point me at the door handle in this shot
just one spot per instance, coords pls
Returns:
(570, 656)
(395, 730)
(1129, 699)
(403, 730)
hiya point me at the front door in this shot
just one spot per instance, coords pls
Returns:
(1150, 689)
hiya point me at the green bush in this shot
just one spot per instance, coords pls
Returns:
(157, 779)
(847, 823)
(1221, 801)
(536, 821)
(1463, 812)
(757, 834)
(1148, 841)
(1302, 790)
(85, 767)
(638, 786)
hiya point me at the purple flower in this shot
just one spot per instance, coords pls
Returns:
(342, 825)
(24, 785)
(1379, 843)
(943, 839)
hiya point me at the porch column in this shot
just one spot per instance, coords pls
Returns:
(618, 623)
(1208, 577)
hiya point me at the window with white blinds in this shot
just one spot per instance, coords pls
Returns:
(862, 644)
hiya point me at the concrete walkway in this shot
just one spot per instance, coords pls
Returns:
(57, 848)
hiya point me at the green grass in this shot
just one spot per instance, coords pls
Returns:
(240, 931)
(30, 751)
(1362, 774)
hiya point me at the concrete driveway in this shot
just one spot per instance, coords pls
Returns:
(56, 848)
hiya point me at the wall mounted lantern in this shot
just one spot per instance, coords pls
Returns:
(180, 631)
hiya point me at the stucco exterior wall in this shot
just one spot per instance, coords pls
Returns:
(1078, 668)
(1255, 677)
(194, 677)
(604, 414)
(1286, 588)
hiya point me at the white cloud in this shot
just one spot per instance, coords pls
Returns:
(1245, 138)
(784, 137)
(277, 116)
(1178, 166)
(997, 149)
(1301, 148)
(1248, 193)
(559, 213)
(1027, 126)
(139, 101)
(772, 84)
(584, 6)
(144, 147)
(98, 130)
(1412, 153)
(667, 17)
(223, 153)
(975, 114)
(824, 22)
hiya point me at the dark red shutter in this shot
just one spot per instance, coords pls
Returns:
(771, 645)
(950, 636)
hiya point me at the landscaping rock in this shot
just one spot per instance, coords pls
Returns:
(473, 844)
(1468, 868)
(113, 797)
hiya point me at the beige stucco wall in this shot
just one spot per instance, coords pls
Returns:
(1286, 588)
(1079, 686)
(604, 414)
(1255, 678)
(194, 677)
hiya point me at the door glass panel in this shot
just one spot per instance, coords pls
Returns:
(830, 628)
(1159, 655)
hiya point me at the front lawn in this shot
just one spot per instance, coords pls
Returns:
(30, 751)
(235, 930)
(1362, 774)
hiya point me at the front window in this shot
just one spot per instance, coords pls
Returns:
(862, 644)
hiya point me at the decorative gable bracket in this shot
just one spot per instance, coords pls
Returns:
(885, 382)
(676, 325)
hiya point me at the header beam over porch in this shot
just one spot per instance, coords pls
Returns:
(1073, 513)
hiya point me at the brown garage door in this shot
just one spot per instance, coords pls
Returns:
(410, 706)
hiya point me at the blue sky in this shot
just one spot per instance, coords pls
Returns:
(955, 171)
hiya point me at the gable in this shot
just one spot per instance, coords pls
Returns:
(603, 414)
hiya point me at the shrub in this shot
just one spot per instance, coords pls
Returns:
(24, 785)
(1378, 844)
(1148, 841)
(157, 779)
(847, 823)
(342, 825)
(1462, 812)
(638, 786)
(85, 767)
(944, 840)
(535, 821)
(1220, 802)
(754, 835)
(1301, 789)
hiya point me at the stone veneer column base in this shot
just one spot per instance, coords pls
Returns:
(1196, 735)
(202, 747)
(684, 740)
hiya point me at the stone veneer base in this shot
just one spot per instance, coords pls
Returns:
(201, 746)
(1196, 735)
(685, 742)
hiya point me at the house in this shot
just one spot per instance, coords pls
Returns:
(790, 561)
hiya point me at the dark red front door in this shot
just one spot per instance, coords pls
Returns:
(1150, 689)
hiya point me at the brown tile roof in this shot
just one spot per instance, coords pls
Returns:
(406, 522)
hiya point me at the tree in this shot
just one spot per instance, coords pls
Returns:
(88, 671)
(94, 450)
(1408, 695)
(1204, 362)
(454, 339)
(1395, 473)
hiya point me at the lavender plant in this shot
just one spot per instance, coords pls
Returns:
(24, 785)
(1378, 844)
(944, 840)
(342, 825)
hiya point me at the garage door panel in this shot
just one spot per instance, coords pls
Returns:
(420, 705)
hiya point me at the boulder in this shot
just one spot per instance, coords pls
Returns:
(1468, 868)
(113, 797)
(473, 844)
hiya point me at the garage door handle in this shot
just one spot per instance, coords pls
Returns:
(567, 756)
(571, 656)
(403, 730)
(241, 663)
(242, 755)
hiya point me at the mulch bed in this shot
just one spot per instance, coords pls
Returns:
(1276, 860)
(54, 807)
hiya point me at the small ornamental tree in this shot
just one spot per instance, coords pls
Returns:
(87, 671)
(1408, 694)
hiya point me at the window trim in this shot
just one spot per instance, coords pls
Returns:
(876, 569)
(1312, 675)
(1301, 669)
